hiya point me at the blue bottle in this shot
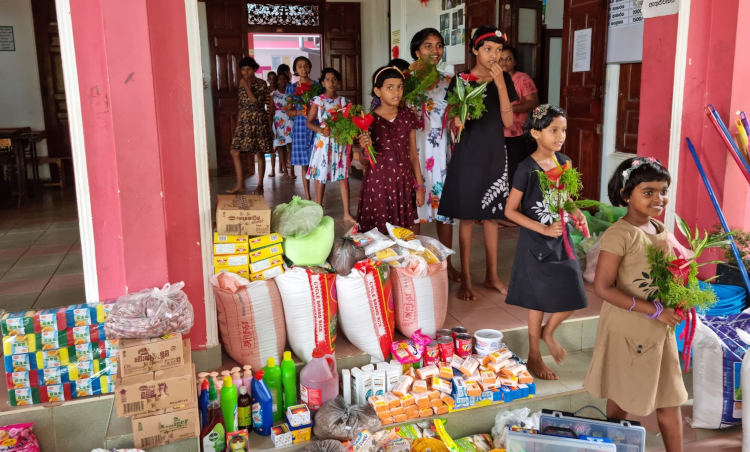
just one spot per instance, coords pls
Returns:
(203, 402)
(262, 409)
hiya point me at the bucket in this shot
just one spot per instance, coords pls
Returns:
(488, 341)
(731, 302)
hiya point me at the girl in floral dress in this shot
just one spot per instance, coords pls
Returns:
(432, 143)
(282, 125)
(330, 160)
(302, 137)
(393, 187)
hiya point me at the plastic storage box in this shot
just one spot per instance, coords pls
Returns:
(525, 442)
(628, 436)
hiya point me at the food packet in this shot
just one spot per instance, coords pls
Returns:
(404, 237)
(410, 351)
(18, 438)
(373, 241)
(394, 256)
(441, 251)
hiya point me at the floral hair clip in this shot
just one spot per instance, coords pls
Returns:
(540, 112)
(637, 162)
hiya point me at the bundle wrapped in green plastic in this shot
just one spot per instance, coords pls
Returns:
(296, 219)
(596, 226)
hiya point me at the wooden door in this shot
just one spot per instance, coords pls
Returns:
(51, 78)
(526, 37)
(582, 93)
(227, 37)
(478, 13)
(342, 47)
(628, 108)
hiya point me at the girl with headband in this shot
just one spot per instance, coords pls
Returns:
(476, 185)
(432, 143)
(393, 187)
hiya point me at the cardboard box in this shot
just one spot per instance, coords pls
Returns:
(265, 264)
(267, 252)
(265, 240)
(242, 270)
(231, 260)
(230, 238)
(281, 436)
(167, 426)
(221, 249)
(265, 275)
(155, 391)
(242, 215)
(141, 356)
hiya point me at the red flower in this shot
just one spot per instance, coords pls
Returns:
(680, 270)
(346, 110)
(302, 88)
(556, 173)
(363, 122)
(470, 77)
(334, 114)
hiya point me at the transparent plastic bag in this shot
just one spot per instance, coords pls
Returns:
(297, 218)
(150, 313)
(438, 249)
(505, 419)
(327, 445)
(344, 255)
(342, 422)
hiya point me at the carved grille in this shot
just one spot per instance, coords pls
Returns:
(283, 15)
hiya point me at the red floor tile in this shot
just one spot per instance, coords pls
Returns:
(12, 253)
(23, 286)
(65, 281)
(44, 250)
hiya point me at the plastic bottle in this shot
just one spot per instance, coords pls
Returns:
(213, 434)
(272, 379)
(262, 410)
(319, 380)
(203, 402)
(199, 383)
(289, 380)
(244, 411)
(229, 405)
(247, 378)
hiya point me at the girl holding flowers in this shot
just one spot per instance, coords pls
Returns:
(545, 279)
(393, 188)
(330, 160)
(636, 365)
(302, 137)
(432, 144)
(476, 184)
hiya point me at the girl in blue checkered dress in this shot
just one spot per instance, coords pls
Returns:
(302, 137)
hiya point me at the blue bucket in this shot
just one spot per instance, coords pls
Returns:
(731, 302)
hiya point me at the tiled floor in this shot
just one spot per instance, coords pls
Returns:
(40, 253)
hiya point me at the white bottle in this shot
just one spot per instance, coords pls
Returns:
(392, 375)
(358, 385)
(346, 386)
(381, 366)
(379, 382)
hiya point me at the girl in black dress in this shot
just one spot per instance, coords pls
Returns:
(544, 278)
(476, 186)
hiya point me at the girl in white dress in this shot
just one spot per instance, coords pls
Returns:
(282, 125)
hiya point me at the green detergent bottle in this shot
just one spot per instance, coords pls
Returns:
(272, 379)
(229, 405)
(289, 380)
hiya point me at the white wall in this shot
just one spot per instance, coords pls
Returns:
(20, 93)
(410, 16)
(207, 94)
(375, 40)
(263, 55)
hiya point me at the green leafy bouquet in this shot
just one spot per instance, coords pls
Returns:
(420, 79)
(466, 101)
(347, 124)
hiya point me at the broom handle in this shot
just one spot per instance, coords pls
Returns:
(720, 214)
(728, 141)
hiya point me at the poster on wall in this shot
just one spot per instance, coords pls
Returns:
(582, 50)
(657, 8)
(7, 41)
(453, 30)
(625, 31)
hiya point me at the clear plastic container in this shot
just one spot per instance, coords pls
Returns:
(319, 380)
(626, 435)
(525, 442)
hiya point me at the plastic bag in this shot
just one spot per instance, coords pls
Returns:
(150, 313)
(438, 249)
(344, 255)
(18, 438)
(416, 267)
(313, 248)
(296, 219)
(475, 443)
(404, 237)
(410, 351)
(394, 256)
(745, 387)
(505, 419)
(339, 421)
(592, 258)
(373, 241)
(327, 445)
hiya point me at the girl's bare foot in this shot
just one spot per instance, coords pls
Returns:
(466, 292)
(540, 369)
(237, 189)
(493, 282)
(453, 274)
(349, 219)
(258, 191)
(272, 174)
(556, 350)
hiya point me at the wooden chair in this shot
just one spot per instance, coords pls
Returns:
(60, 162)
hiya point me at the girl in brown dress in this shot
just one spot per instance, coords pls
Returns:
(635, 364)
(254, 124)
(393, 187)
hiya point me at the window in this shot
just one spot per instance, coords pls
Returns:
(275, 61)
(283, 15)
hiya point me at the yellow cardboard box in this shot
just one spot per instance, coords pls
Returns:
(222, 238)
(231, 248)
(264, 241)
(241, 270)
(265, 275)
(265, 264)
(242, 215)
(231, 260)
(267, 252)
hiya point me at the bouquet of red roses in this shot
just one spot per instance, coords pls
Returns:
(304, 94)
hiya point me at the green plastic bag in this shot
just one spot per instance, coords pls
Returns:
(312, 249)
(296, 219)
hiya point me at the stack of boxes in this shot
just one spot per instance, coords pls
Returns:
(297, 429)
(243, 243)
(156, 387)
(56, 355)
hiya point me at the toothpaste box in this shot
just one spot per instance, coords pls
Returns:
(231, 260)
(266, 274)
(265, 240)
(230, 248)
(224, 238)
(265, 264)
(267, 252)
(241, 270)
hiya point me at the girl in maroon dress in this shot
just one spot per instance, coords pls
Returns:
(393, 187)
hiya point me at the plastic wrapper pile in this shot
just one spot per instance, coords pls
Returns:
(56, 355)
(151, 313)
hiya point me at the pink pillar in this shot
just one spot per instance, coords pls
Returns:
(134, 80)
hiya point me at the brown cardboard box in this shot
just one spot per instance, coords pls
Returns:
(141, 356)
(242, 215)
(154, 391)
(166, 426)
